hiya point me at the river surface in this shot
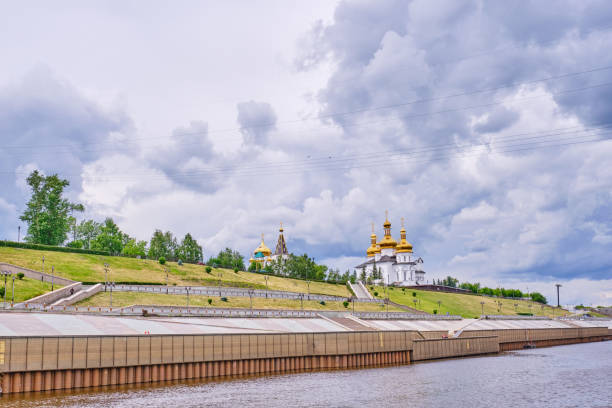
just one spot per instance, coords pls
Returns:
(577, 375)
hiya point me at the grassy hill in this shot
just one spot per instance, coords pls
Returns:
(25, 289)
(464, 305)
(90, 268)
(130, 298)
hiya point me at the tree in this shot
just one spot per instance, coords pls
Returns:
(87, 231)
(538, 297)
(228, 258)
(189, 250)
(450, 282)
(305, 267)
(135, 248)
(47, 213)
(110, 238)
(162, 244)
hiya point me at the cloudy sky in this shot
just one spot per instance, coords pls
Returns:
(485, 124)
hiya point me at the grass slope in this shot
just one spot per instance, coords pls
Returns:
(90, 268)
(25, 289)
(130, 298)
(464, 305)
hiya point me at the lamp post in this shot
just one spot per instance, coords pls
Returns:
(18, 233)
(43, 264)
(251, 292)
(111, 285)
(558, 285)
(187, 289)
(105, 275)
(52, 275)
(5, 274)
(13, 287)
(482, 303)
(439, 303)
(308, 284)
(415, 302)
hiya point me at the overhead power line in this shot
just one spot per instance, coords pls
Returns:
(340, 114)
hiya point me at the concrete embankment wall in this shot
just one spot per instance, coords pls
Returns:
(514, 339)
(431, 349)
(63, 362)
(44, 363)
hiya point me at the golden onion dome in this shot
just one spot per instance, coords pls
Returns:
(265, 251)
(373, 249)
(387, 241)
(403, 246)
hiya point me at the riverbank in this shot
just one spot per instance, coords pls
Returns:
(64, 351)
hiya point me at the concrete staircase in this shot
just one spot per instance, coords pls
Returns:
(84, 293)
(360, 290)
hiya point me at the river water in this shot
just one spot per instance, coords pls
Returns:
(577, 375)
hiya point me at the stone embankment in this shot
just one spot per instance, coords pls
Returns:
(72, 355)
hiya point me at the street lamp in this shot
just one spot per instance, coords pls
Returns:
(105, 275)
(439, 303)
(482, 303)
(13, 287)
(5, 274)
(43, 261)
(308, 284)
(251, 292)
(111, 285)
(187, 289)
(52, 274)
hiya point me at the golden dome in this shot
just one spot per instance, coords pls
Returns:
(387, 241)
(373, 249)
(403, 246)
(265, 251)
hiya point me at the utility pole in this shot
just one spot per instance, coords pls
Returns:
(558, 285)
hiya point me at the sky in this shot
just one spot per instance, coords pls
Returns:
(484, 125)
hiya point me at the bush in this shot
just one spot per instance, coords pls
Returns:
(403, 289)
(435, 311)
(322, 303)
(40, 247)
(224, 299)
(2, 293)
(180, 263)
(390, 287)
(208, 269)
(162, 260)
(345, 303)
(235, 270)
(413, 294)
(20, 275)
(375, 293)
(210, 301)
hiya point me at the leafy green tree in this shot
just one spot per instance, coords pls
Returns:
(189, 250)
(538, 297)
(110, 239)
(135, 248)
(87, 231)
(305, 267)
(162, 244)
(48, 214)
(228, 258)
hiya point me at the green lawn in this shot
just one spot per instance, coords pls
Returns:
(464, 305)
(90, 268)
(131, 298)
(25, 289)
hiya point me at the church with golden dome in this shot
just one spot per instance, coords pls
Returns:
(391, 262)
(262, 255)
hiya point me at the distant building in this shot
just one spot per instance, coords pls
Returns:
(262, 255)
(391, 262)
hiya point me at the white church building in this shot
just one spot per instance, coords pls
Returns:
(391, 262)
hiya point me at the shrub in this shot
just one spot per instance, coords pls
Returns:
(1, 293)
(180, 262)
(435, 311)
(413, 294)
(208, 269)
(345, 303)
(162, 260)
(235, 270)
(26, 245)
(210, 301)
(375, 293)
(224, 299)
(20, 275)
(390, 287)
(322, 303)
(403, 289)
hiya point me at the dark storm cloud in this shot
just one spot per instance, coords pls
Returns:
(46, 124)
(436, 66)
